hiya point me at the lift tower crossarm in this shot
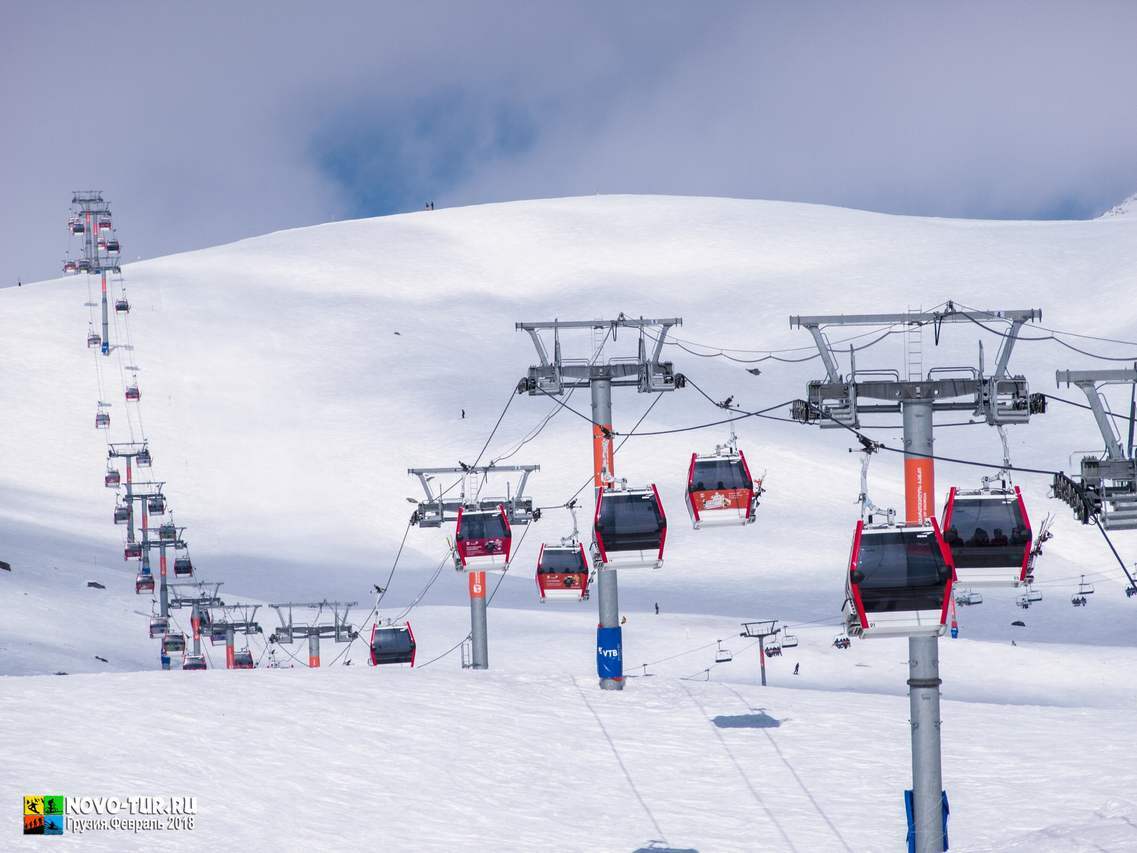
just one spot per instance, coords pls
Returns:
(951, 315)
(1087, 381)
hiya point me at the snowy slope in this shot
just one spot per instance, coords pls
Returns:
(283, 410)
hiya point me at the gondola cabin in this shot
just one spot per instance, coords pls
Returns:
(122, 305)
(102, 420)
(193, 662)
(482, 538)
(242, 659)
(158, 626)
(562, 572)
(720, 490)
(101, 244)
(143, 458)
(218, 634)
(989, 535)
(94, 339)
(899, 581)
(121, 514)
(173, 643)
(630, 527)
(70, 267)
(112, 478)
(182, 567)
(167, 532)
(392, 644)
(77, 227)
(103, 224)
(113, 246)
(84, 266)
(156, 505)
(133, 394)
(144, 582)
(133, 551)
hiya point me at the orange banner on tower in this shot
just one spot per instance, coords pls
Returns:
(919, 490)
(477, 584)
(602, 455)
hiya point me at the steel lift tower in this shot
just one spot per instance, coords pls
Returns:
(93, 214)
(200, 597)
(233, 619)
(648, 374)
(1000, 398)
(1108, 487)
(437, 510)
(338, 629)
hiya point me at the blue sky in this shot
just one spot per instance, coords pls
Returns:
(209, 122)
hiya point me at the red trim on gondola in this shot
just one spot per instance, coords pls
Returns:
(537, 574)
(856, 588)
(750, 480)
(663, 522)
(414, 647)
(949, 508)
(1029, 535)
(371, 645)
(690, 484)
(508, 531)
(946, 552)
(595, 531)
(458, 543)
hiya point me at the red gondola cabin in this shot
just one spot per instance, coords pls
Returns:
(720, 490)
(482, 538)
(630, 527)
(562, 572)
(989, 534)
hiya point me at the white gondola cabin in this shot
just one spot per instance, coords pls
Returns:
(158, 626)
(392, 644)
(899, 581)
(562, 572)
(989, 534)
(482, 538)
(630, 527)
(720, 489)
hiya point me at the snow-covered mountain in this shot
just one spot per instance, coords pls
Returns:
(290, 380)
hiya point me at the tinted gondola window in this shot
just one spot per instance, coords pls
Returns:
(482, 525)
(719, 474)
(901, 571)
(561, 560)
(987, 533)
(629, 514)
(392, 645)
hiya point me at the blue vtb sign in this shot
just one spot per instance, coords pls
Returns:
(609, 653)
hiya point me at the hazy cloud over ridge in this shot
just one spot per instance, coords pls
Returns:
(209, 122)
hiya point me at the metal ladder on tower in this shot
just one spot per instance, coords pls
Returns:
(914, 349)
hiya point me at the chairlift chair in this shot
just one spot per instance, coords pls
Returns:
(243, 659)
(193, 662)
(841, 641)
(122, 305)
(143, 582)
(990, 537)
(789, 641)
(723, 655)
(392, 644)
(968, 597)
(774, 650)
(182, 567)
(1079, 600)
(630, 527)
(102, 420)
(156, 505)
(899, 581)
(1085, 588)
(112, 478)
(158, 626)
(132, 551)
(1033, 595)
(121, 514)
(562, 572)
(173, 643)
(720, 489)
(482, 538)
(94, 338)
(143, 458)
(133, 394)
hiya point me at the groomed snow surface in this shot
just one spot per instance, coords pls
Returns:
(283, 410)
